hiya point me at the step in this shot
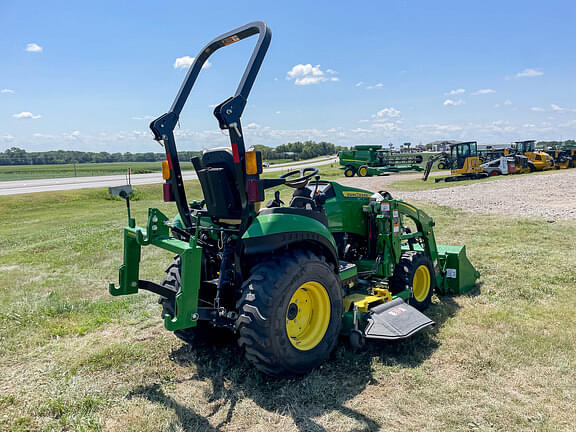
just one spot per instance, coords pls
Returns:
(395, 320)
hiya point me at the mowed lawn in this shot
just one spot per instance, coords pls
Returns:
(74, 358)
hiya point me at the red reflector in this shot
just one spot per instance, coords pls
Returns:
(167, 192)
(252, 190)
(235, 153)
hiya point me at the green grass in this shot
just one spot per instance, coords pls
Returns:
(29, 172)
(74, 358)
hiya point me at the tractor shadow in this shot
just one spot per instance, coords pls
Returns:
(327, 389)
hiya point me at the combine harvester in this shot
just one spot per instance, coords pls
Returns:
(372, 160)
(286, 281)
(464, 162)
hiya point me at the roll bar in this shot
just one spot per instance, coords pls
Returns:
(227, 113)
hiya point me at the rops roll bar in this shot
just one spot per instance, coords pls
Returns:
(227, 113)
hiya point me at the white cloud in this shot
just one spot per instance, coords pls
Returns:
(277, 112)
(507, 102)
(538, 109)
(306, 74)
(7, 91)
(6, 138)
(385, 114)
(331, 71)
(450, 102)
(455, 92)
(26, 115)
(483, 91)
(32, 47)
(146, 117)
(529, 73)
(359, 83)
(186, 61)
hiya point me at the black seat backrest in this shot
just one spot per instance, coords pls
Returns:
(216, 174)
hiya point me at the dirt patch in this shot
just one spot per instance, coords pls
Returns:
(546, 195)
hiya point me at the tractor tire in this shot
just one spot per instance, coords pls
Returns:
(204, 333)
(419, 159)
(441, 165)
(531, 167)
(363, 171)
(349, 171)
(494, 173)
(414, 272)
(290, 313)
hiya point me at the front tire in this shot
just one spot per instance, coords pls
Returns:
(349, 171)
(414, 272)
(290, 313)
(363, 171)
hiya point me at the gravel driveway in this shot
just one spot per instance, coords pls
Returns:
(548, 195)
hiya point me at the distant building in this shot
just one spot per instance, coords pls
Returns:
(441, 145)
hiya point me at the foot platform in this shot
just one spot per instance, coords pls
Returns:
(395, 320)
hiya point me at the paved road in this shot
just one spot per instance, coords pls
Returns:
(69, 183)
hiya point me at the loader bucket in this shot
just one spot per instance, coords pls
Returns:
(460, 274)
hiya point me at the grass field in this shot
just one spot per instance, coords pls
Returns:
(73, 358)
(28, 172)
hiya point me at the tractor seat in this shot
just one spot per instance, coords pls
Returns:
(215, 170)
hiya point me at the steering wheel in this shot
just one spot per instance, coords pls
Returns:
(302, 180)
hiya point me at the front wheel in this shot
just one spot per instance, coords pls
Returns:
(441, 165)
(349, 171)
(363, 171)
(414, 272)
(290, 313)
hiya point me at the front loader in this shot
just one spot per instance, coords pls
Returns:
(284, 280)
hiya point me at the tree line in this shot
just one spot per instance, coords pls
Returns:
(296, 151)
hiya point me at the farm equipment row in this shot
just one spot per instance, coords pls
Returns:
(284, 280)
(466, 162)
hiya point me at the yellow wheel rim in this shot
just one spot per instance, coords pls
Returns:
(421, 283)
(348, 173)
(308, 316)
(362, 171)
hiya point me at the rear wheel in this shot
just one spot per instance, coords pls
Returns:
(441, 165)
(349, 171)
(204, 333)
(363, 171)
(414, 272)
(494, 173)
(290, 313)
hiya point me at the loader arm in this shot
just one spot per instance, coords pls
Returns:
(425, 226)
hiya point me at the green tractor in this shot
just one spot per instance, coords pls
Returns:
(284, 280)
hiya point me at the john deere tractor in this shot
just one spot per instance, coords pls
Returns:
(284, 280)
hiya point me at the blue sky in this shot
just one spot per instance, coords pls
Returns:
(91, 75)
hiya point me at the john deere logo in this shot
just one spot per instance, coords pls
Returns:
(354, 194)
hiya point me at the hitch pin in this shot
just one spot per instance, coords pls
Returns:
(235, 127)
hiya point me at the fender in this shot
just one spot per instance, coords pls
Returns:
(269, 232)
